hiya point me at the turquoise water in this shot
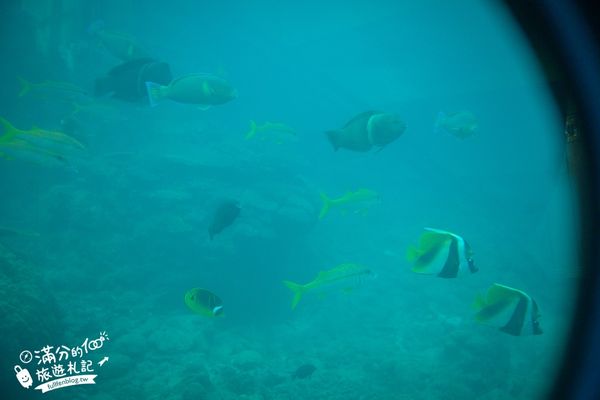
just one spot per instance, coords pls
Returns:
(110, 239)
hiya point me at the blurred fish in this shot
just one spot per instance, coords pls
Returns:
(443, 254)
(360, 200)
(53, 90)
(203, 302)
(225, 214)
(304, 371)
(16, 149)
(461, 124)
(94, 108)
(277, 130)
(127, 81)
(347, 276)
(119, 44)
(44, 139)
(205, 90)
(511, 310)
(37, 145)
(367, 130)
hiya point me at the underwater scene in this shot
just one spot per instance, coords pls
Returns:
(276, 200)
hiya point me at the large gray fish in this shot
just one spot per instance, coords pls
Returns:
(202, 89)
(225, 214)
(367, 130)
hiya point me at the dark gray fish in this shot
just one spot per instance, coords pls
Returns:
(304, 371)
(367, 130)
(225, 214)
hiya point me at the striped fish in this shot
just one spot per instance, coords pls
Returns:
(344, 276)
(510, 310)
(442, 253)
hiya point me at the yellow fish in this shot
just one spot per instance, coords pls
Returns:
(36, 144)
(276, 129)
(119, 44)
(64, 91)
(204, 302)
(345, 275)
(361, 199)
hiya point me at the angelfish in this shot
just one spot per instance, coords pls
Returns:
(511, 310)
(442, 253)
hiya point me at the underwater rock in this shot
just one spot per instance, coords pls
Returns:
(31, 318)
(247, 359)
(169, 341)
(236, 381)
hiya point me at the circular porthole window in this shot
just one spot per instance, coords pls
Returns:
(290, 200)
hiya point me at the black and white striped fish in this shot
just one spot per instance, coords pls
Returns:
(442, 253)
(510, 310)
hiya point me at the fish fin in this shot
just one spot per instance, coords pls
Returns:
(495, 302)
(206, 89)
(154, 93)
(204, 107)
(298, 292)
(332, 136)
(9, 129)
(431, 240)
(25, 86)
(479, 302)
(252, 130)
(498, 292)
(412, 254)
(325, 207)
(439, 120)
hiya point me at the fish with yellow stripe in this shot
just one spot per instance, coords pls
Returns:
(36, 144)
(511, 310)
(344, 276)
(359, 200)
(442, 253)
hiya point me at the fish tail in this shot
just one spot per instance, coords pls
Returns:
(332, 136)
(252, 130)
(25, 86)
(9, 129)
(479, 302)
(154, 93)
(412, 254)
(439, 120)
(298, 292)
(326, 205)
